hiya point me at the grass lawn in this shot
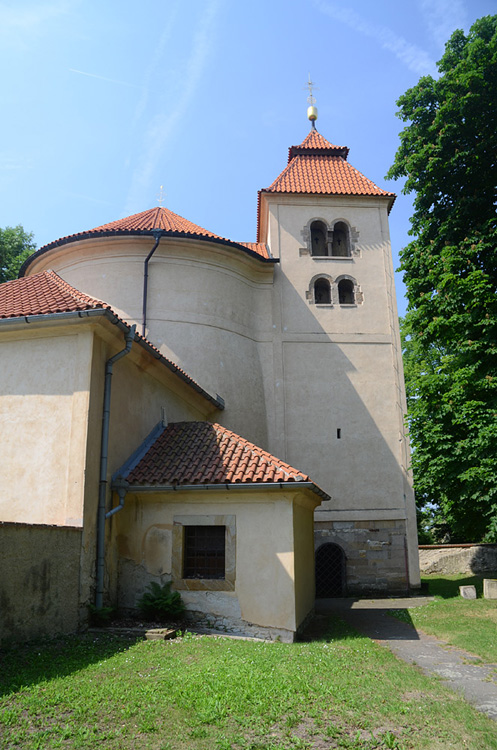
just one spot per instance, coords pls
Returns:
(199, 693)
(470, 624)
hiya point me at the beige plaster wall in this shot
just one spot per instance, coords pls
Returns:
(44, 393)
(339, 367)
(303, 535)
(268, 590)
(141, 388)
(39, 585)
(208, 304)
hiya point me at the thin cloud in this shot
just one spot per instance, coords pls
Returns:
(164, 123)
(413, 57)
(19, 23)
(103, 78)
(442, 18)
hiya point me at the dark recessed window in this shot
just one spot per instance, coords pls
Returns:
(319, 245)
(204, 552)
(346, 292)
(340, 244)
(322, 292)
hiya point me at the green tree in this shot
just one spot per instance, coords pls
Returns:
(448, 155)
(15, 246)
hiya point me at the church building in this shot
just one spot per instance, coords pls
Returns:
(226, 415)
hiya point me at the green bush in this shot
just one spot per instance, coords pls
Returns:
(160, 601)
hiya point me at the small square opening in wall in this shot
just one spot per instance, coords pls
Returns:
(339, 433)
(204, 552)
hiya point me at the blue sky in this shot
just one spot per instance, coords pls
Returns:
(103, 102)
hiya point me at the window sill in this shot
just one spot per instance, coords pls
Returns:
(203, 584)
(348, 304)
(346, 258)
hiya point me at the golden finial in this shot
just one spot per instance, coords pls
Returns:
(312, 112)
(160, 197)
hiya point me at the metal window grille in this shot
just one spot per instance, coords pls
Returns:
(330, 571)
(204, 552)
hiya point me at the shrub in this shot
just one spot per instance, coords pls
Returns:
(160, 601)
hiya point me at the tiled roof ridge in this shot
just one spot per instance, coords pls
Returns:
(67, 288)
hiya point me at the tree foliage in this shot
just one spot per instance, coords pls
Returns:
(15, 246)
(448, 155)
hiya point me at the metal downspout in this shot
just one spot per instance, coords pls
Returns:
(157, 234)
(104, 450)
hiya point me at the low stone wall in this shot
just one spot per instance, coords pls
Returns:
(375, 554)
(450, 559)
(39, 582)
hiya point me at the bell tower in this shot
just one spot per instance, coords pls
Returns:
(337, 402)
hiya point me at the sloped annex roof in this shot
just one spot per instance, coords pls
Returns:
(317, 167)
(47, 294)
(158, 220)
(199, 454)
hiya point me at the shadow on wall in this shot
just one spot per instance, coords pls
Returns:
(336, 393)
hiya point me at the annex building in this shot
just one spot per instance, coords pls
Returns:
(227, 415)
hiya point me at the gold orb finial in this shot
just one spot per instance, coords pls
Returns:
(312, 111)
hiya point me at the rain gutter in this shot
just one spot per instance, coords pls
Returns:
(120, 484)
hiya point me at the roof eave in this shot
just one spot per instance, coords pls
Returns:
(137, 233)
(120, 483)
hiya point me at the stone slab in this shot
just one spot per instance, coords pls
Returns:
(467, 592)
(490, 588)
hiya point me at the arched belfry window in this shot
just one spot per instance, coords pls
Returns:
(322, 292)
(340, 247)
(346, 292)
(319, 233)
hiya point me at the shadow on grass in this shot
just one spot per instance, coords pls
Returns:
(327, 628)
(22, 665)
(448, 587)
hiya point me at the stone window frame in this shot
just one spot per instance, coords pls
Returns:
(178, 542)
(353, 239)
(358, 295)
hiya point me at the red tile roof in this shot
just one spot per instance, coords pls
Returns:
(318, 167)
(159, 217)
(147, 222)
(187, 453)
(315, 143)
(42, 294)
(46, 293)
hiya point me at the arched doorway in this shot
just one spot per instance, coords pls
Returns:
(330, 571)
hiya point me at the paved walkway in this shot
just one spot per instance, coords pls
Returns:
(457, 668)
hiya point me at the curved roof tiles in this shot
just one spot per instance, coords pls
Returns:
(158, 219)
(199, 453)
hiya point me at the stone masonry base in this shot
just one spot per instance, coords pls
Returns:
(375, 554)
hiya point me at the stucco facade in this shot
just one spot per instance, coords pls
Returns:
(294, 340)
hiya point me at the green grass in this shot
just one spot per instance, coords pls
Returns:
(198, 693)
(470, 624)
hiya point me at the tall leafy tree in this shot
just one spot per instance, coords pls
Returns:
(448, 155)
(15, 246)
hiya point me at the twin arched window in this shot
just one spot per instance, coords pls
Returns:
(342, 291)
(333, 242)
